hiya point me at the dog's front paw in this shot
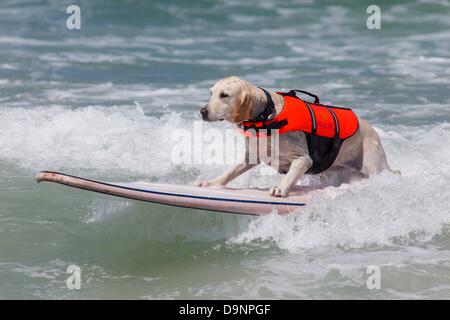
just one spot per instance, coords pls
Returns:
(278, 192)
(201, 183)
(207, 183)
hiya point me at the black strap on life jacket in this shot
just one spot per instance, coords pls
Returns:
(268, 110)
(322, 150)
(259, 122)
(293, 93)
(275, 125)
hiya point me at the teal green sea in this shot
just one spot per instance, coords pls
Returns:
(103, 101)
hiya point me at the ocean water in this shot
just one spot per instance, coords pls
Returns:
(103, 102)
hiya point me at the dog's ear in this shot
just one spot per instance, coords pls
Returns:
(244, 106)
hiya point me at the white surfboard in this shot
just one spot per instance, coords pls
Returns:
(223, 199)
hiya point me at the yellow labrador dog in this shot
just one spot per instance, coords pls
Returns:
(237, 101)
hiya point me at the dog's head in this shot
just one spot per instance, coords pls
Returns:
(231, 100)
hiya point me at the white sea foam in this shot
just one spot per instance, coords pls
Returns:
(92, 137)
(144, 94)
(383, 210)
(109, 41)
(122, 140)
(70, 57)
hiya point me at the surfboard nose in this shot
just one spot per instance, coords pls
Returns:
(40, 177)
(45, 176)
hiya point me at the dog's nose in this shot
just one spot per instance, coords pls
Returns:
(204, 113)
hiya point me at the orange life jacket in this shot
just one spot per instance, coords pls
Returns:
(325, 127)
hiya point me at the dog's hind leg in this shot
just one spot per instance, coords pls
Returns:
(374, 157)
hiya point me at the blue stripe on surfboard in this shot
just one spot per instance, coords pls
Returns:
(179, 194)
(163, 204)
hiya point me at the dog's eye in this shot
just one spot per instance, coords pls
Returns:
(223, 95)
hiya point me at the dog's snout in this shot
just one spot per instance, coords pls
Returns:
(204, 113)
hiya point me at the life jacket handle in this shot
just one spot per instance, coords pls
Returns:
(316, 98)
